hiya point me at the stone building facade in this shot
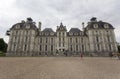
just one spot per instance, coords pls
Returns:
(96, 39)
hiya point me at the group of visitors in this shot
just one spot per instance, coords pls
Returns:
(115, 55)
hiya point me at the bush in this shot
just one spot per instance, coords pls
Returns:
(3, 45)
(2, 54)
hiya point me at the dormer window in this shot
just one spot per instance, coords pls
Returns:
(106, 26)
(95, 25)
(27, 26)
(46, 33)
(51, 33)
(70, 33)
(75, 33)
(17, 26)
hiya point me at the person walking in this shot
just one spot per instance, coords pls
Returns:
(81, 55)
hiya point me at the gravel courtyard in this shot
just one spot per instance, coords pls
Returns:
(59, 68)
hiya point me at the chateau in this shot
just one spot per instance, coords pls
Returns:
(95, 39)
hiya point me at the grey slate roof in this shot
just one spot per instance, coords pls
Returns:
(74, 30)
(48, 30)
(23, 25)
(100, 25)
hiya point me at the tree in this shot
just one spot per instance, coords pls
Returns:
(3, 45)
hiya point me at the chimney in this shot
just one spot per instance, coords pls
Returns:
(39, 25)
(29, 20)
(83, 25)
(93, 19)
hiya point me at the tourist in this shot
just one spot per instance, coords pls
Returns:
(81, 55)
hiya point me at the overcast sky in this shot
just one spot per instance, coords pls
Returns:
(52, 12)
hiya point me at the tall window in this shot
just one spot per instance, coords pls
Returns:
(82, 47)
(108, 38)
(76, 40)
(45, 47)
(25, 47)
(59, 34)
(26, 39)
(40, 40)
(51, 40)
(51, 47)
(63, 39)
(76, 47)
(70, 40)
(16, 32)
(71, 47)
(63, 44)
(109, 47)
(63, 33)
(60, 39)
(14, 47)
(59, 44)
(97, 39)
(26, 32)
(46, 40)
(98, 46)
(81, 39)
(15, 38)
(40, 48)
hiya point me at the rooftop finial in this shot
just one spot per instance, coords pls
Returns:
(61, 24)
(83, 25)
(39, 24)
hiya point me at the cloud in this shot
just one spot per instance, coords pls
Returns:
(51, 12)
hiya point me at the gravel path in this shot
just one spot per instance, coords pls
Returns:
(59, 68)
